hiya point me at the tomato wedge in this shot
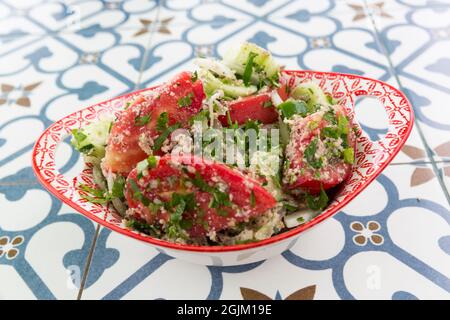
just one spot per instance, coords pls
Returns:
(216, 196)
(257, 107)
(311, 163)
(136, 129)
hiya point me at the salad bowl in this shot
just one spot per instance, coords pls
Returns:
(371, 157)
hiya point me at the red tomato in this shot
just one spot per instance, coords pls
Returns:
(177, 173)
(257, 107)
(180, 98)
(283, 92)
(300, 174)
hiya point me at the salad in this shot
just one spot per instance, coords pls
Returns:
(228, 154)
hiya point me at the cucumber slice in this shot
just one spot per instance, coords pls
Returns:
(211, 84)
(265, 66)
(311, 93)
(91, 140)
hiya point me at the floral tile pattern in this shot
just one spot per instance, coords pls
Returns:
(392, 242)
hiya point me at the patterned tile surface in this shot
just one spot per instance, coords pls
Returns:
(392, 242)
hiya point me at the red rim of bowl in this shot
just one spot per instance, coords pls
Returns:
(274, 239)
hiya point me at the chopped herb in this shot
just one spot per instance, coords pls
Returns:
(252, 199)
(330, 132)
(349, 155)
(276, 181)
(312, 125)
(330, 99)
(163, 136)
(201, 116)
(247, 75)
(267, 104)
(98, 195)
(218, 199)
(152, 161)
(134, 188)
(330, 117)
(310, 154)
(251, 124)
(186, 224)
(194, 76)
(85, 149)
(287, 89)
(176, 216)
(342, 124)
(140, 167)
(78, 138)
(154, 207)
(222, 212)
(186, 101)
(230, 123)
(300, 219)
(118, 186)
(161, 123)
(289, 207)
(127, 105)
(141, 120)
(317, 203)
(290, 108)
(143, 227)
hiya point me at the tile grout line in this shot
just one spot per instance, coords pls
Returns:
(149, 42)
(88, 263)
(433, 162)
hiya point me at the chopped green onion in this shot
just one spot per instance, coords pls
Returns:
(247, 75)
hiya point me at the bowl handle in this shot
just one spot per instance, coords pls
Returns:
(400, 122)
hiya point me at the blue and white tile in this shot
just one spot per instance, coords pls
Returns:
(421, 62)
(42, 81)
(404, 226)
(125, 268)
(69, 16)
(404, 231)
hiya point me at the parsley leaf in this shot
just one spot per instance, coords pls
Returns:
(310, 154)
(161, 122)
(141, 120)
(317, 203)
(163, 136)
(186, 101)
(118, 186)
(194, 76)
(291, 108)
